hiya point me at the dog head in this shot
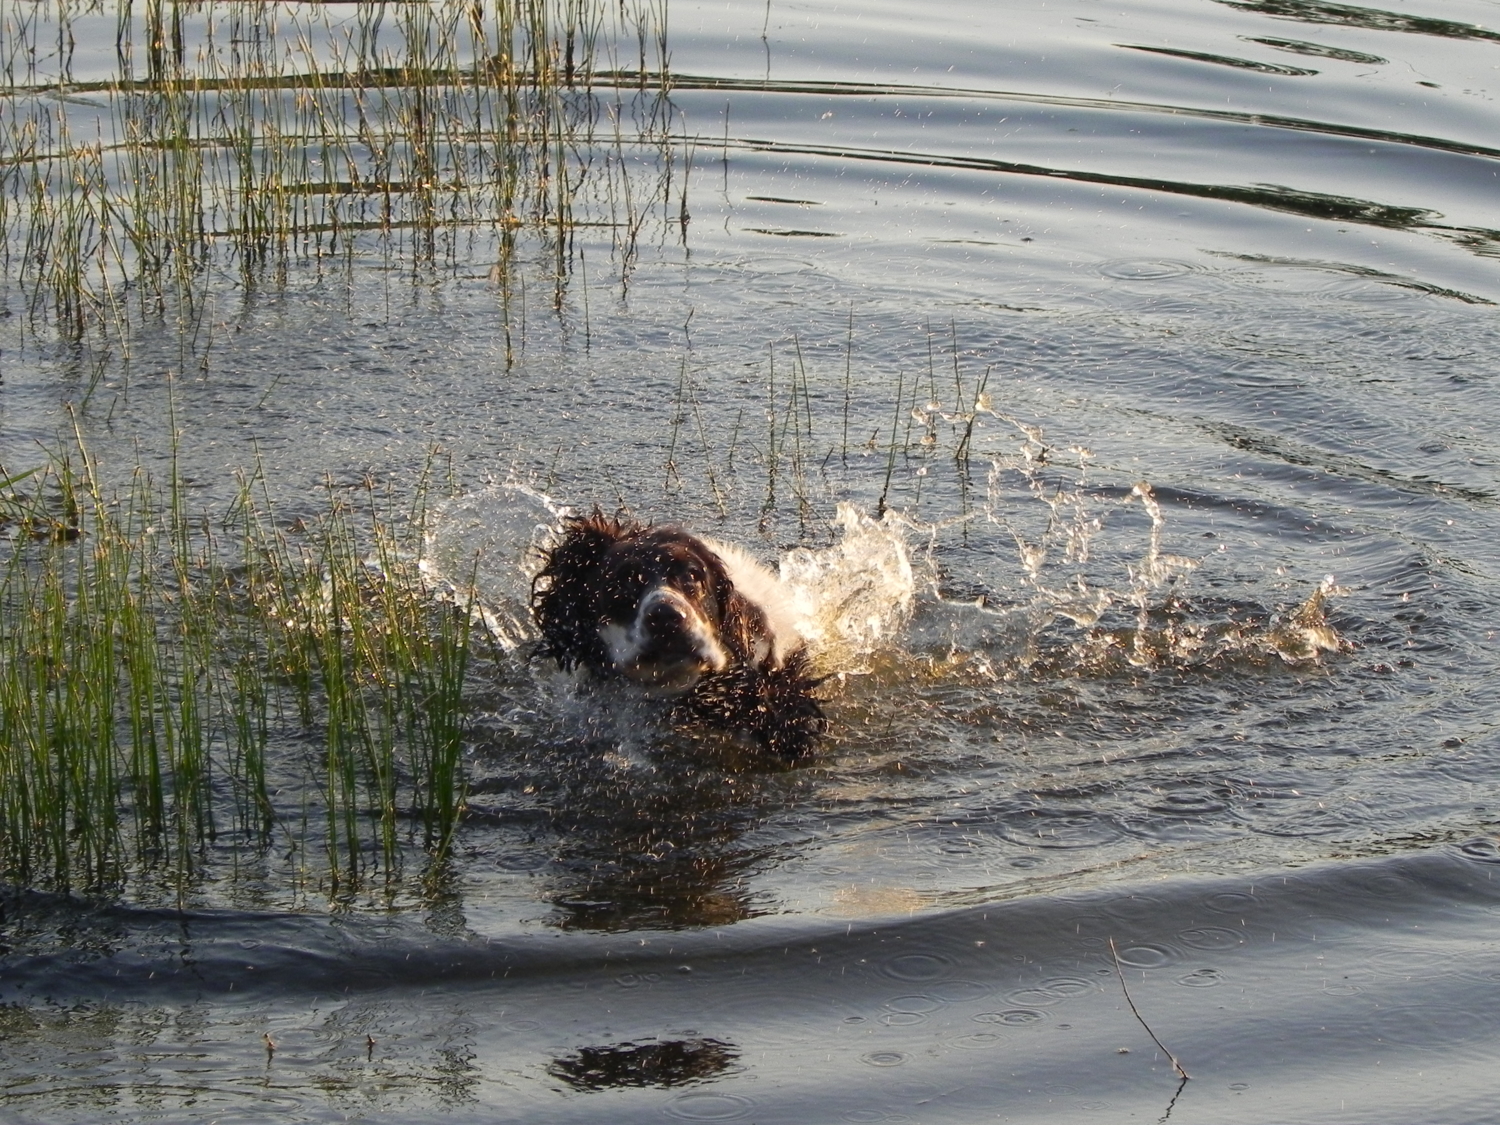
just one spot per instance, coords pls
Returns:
(661, 597)
(655, 605)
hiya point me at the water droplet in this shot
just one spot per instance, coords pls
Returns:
(1484, 849)
(1011, 1017)
(977, 1041)
(1146, 956)
(1143, 269)
(902, 1019)
(917, 1003)
(1211, 938)
(1231, 902)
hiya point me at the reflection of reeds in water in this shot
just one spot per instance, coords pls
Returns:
(266, 134)
(173, 685)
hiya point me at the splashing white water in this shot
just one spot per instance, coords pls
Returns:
(1054, 528)
(483, 549)
(1304, 633)
(855, 597)
(850, 599)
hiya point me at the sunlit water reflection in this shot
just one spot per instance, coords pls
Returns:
(1141, 322)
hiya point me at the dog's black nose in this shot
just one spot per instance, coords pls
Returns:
(665, 619)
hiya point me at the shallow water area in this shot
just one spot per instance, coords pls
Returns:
(1162, 335)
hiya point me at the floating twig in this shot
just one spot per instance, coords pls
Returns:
(1177, 1066)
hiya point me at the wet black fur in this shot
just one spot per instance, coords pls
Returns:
(775, 706)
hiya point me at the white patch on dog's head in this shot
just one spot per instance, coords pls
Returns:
(668, 645)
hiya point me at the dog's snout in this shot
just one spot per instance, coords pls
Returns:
(665, 617)
(671, 642)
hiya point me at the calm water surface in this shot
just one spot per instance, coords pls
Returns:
(1244, 252)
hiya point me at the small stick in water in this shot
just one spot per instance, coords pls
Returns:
(1177, 1066)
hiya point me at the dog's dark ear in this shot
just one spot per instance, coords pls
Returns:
(743, 628)
(564, 593)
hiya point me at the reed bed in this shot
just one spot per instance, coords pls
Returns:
(175, 685)
(244, 136)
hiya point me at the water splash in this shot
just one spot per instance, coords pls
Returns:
(1142, 618)
(855, 597)
(1304, 633)
(483, 549)
(851, 599)
(858, 597)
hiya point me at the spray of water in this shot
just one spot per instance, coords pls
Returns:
(859, 597)
(850, 599)
(1144, 619)
(855, 597)
(491, 543)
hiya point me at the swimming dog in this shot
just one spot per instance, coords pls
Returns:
(691, 619)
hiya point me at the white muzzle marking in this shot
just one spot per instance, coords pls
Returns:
(630, 646)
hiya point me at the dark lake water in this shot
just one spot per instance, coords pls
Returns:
(1146, 321)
